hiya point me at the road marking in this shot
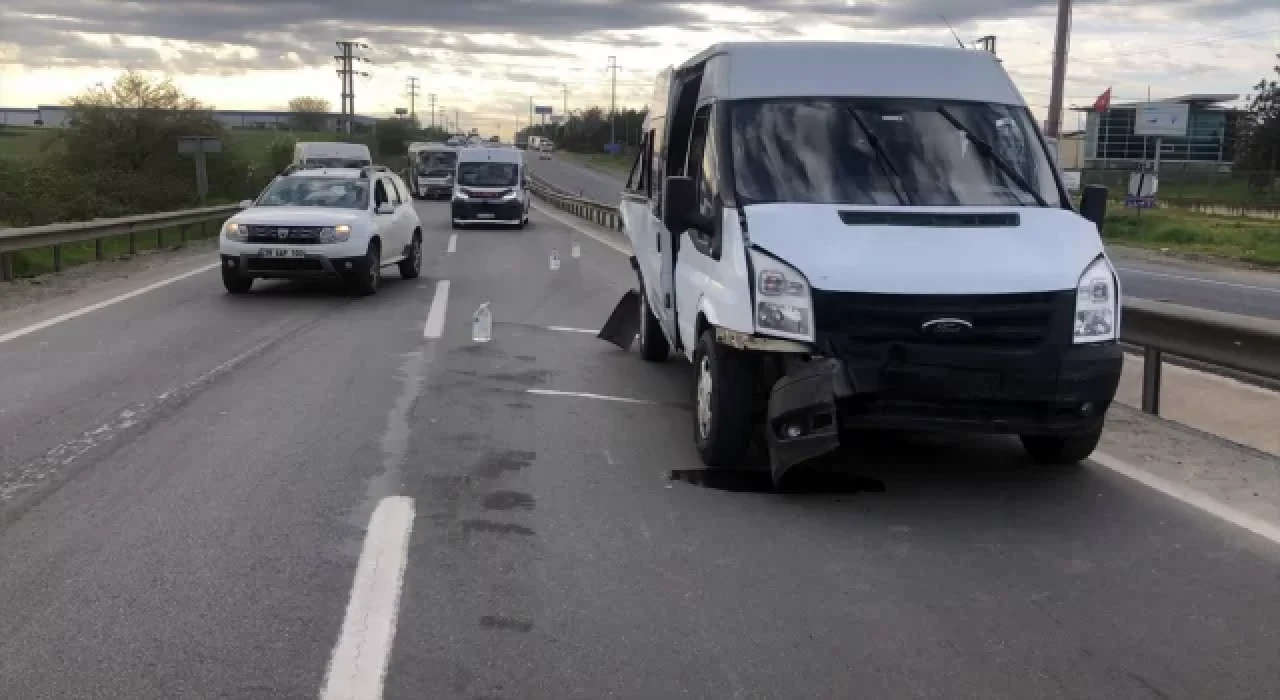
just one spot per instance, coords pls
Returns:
(358, 667)
(597, 397)
(439, 307)
(1193, 498)
(104, 304)
(548, 212)
(566, 329)
(1185, 278)
(453, 243)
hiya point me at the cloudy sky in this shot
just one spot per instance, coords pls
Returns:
(487, 58)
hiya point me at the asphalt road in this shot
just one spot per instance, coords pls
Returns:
(1220, 289)
(187, 484)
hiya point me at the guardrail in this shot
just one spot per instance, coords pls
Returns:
(595, 212)
(1210, 339)
(13, 240)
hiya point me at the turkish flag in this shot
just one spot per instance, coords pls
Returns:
(1103, 103)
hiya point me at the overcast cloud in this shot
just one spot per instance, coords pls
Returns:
(514, 42)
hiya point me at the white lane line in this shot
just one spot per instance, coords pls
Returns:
(439, 307)
(1193, 498)
(552, 214)
(1185, 278)
(104, 304)
(598, 397)
(358, 667)
(566, 329)
(453, 243)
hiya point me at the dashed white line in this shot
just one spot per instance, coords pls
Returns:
(567, 329)
(453, 243)
(1193, 498)
(103, 304)
(1185, 278)
(358, 667)
(439, 307)
(550, 213)
(597, 397)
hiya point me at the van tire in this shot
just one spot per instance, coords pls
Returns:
(1061, 450)
(722, 398)
(653, 344)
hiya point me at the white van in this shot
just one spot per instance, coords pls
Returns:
(431, 169)
(331, 154)
(885, 246)
(490, 188)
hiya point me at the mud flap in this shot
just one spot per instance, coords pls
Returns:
(802, 423)
(624, 323)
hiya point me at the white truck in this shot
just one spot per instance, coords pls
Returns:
(331, 154)
(431, 169)
(887, 246)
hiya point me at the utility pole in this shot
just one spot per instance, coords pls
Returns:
(987, 43)
(432, 97)
(613, 101)
(411, 85)
(347, 73)
(1060, 41)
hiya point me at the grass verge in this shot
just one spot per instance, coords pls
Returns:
(39, 261)
(619, 165)
(1255, 241)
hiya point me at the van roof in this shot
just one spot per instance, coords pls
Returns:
(755, 70)
(496, 155)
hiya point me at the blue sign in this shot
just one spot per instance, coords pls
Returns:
(613, 149)
(1143, 202)
(541, 110)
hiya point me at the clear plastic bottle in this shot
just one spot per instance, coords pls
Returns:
(555, 260)
(482, 324)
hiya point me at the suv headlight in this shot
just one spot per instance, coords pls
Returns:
(235, 232)
(1097, 317)
(784, 306)
(335, 234)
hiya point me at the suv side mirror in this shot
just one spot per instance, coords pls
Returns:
(386, 208)
(1093, 204)
(679, 201)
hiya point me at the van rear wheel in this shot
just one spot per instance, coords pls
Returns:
(722, 416)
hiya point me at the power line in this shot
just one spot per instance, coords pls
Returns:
(411, 84)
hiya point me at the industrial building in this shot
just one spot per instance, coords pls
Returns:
(1212, 132)
(56, 116)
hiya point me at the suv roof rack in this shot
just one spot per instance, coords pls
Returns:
(364, 172)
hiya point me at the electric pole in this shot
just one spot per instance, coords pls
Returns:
(411, 87)
(347, 74)
(987, 43)
(613, 101)
(432, 97)
(1060, 41)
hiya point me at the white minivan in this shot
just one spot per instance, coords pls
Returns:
(884, 246)
(331, 154)
(489, 187)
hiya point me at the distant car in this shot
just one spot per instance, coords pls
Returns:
(336, 223)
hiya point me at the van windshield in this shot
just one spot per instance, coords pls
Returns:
(889, 152)
(437, 163)
(336, 162)
(487, 174)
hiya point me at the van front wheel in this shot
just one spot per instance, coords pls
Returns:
(722, 402)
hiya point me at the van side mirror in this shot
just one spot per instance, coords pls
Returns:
(679, 202)
(1093, 204)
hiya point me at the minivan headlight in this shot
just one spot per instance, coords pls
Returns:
(1097, 317)
(783, 306)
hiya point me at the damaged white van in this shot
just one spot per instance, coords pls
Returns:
(845, 236)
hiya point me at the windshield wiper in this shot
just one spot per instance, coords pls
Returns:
(882, 157)
(985, 149)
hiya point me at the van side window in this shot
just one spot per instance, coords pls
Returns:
(635, 180)
(647, 154)
(702, 162)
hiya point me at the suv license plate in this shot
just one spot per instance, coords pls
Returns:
(282, 253)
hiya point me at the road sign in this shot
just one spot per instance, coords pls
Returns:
(200, 145)
(1161, 119)
(540, 109)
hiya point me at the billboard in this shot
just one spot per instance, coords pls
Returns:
(541, 110)
(1161, 119)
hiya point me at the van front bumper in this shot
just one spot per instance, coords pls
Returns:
(914, 388)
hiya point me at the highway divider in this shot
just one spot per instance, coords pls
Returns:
(13, 240)
(1243, 346)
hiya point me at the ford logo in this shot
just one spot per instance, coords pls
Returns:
(946, 327)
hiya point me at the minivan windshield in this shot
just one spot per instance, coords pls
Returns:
(488, 174)
(296, 191)
(437, 162)
(889, 152)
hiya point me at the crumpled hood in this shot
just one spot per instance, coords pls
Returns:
(1047, 251)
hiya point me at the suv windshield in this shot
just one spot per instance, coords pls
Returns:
(889, 152)
(338, 193)
(437, 162)
(487, 174)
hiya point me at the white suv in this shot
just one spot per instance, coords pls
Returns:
(338, 223)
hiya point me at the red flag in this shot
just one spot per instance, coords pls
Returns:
(1103, 103)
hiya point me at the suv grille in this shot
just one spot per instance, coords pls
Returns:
(1004, 321)
(293, 234)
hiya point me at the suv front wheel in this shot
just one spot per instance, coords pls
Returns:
(370, 273)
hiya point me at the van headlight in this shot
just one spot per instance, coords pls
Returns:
(1097, 303)
(235, 232)
(335, 234)
(784, 306)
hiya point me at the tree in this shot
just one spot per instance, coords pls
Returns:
(1259, 148)
(309, 113)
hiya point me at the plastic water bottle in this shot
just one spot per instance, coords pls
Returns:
(576, 251)
(482, 324)
(555, 260)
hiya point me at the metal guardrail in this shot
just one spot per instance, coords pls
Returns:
(13, 240)
(1211, 339)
